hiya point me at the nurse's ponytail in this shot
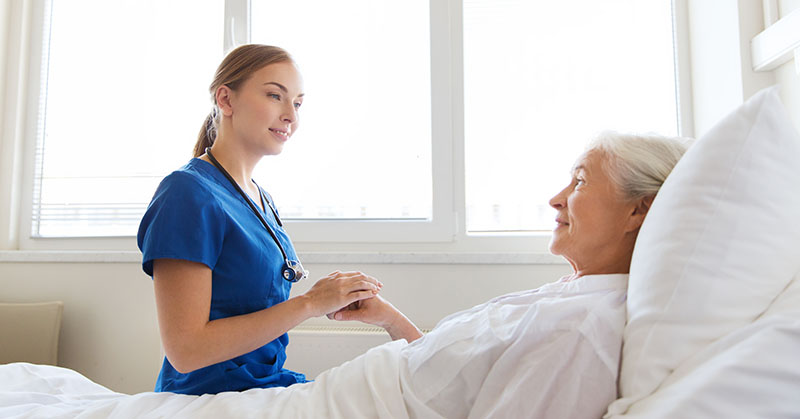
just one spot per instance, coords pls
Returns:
(207, 135)
(234, 70)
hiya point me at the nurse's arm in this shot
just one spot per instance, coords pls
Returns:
(191, 341)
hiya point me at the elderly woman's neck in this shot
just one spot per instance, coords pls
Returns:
(620, 264)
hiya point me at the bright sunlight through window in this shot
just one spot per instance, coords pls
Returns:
(124, 97)
(124, 94)
(363, 149)
(541, 78)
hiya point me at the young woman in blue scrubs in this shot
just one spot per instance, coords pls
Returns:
(221, 262)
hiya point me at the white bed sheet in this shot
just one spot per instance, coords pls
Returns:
(551, 352)
(360, 388)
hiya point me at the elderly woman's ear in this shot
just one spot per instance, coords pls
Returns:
(638, 213)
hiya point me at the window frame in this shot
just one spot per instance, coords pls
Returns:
(446, 232)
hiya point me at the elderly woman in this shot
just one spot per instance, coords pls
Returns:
(554, 351)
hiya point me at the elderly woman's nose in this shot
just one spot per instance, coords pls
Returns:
(559, 200)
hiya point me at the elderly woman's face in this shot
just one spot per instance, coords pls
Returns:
(592, 217)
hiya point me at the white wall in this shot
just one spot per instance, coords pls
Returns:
(7, 70)
(786, 75)
(722, 74)
(4, 12)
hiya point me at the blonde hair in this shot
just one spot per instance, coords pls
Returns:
(639, 164)
(234, 70)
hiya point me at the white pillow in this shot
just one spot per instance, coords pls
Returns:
(752, 372)
(719, 244)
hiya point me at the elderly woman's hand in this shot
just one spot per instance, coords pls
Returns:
(379, 312)
(375, 310)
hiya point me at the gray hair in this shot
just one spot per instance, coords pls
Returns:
(639, 164)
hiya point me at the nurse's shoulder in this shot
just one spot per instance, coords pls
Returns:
(188, 184)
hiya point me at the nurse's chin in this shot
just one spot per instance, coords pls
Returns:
(272, 150)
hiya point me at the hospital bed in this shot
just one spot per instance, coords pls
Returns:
(713, 307)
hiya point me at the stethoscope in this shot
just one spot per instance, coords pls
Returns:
(292, 269)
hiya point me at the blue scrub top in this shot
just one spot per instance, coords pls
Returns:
(197, 215)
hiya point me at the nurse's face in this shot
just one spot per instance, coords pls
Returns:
(593, 217)
(265, 108)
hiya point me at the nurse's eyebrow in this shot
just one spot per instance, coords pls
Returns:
(280, 86)
(283, 88)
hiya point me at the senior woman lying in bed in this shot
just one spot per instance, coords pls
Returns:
(567, 334)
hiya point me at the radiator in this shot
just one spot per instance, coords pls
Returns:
(313, 349)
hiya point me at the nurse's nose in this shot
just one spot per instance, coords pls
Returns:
(290, 114)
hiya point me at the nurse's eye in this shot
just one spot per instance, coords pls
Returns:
(274, 96)
(298, 105)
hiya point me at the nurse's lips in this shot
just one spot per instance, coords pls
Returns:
(282, 135)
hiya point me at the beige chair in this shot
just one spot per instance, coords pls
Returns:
(29, 332)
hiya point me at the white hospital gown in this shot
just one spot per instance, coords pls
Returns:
(552, 352)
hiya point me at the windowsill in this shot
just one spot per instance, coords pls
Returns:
(69, 256)
(399, 258)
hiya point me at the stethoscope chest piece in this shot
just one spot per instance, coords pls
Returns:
(293, 271)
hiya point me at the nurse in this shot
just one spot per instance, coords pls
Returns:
(213, 241)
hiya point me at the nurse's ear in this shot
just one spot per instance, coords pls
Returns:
(223, 97)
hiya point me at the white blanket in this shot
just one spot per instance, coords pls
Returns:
(547, 353)
(351, 390)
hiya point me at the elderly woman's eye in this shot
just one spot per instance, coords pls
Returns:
(579, 181)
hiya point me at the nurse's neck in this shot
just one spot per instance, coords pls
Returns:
(236, 160)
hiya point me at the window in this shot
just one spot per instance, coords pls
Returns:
(365, 124)
(122, 102)
(402, 138)
(540, 79)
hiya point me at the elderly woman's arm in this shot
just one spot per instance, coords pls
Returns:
(379, 312)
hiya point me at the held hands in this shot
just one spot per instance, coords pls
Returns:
(374, 310)
(354, 296)
(341, 289)
(379, 312)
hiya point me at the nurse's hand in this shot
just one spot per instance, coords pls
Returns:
(340, 289)
(379, 312)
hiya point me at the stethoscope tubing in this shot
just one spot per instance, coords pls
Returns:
(250, 203)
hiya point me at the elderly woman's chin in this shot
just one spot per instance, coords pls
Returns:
(553, 246)
(566, 247)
